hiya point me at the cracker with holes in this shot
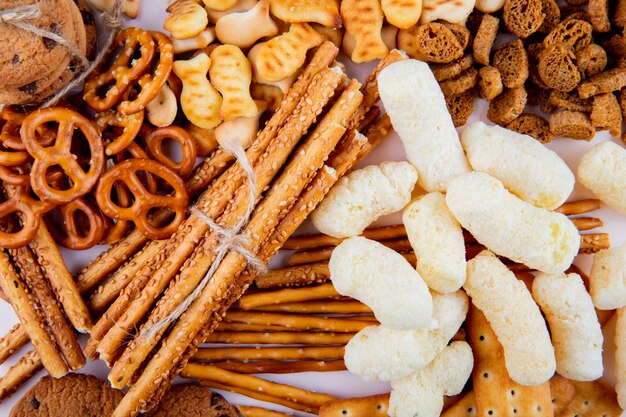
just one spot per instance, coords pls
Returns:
(592, 399)
(460, 107)
(433, 42)
(571, 101)
(489, 82)
(465, 407)
(591, 60)
(532, 125)
(460, 84)
(607, 114)
(496, 394)
(443, 72)
(507, 106)
(604, 82)
(373, 406)
(523, 17)
(572, 124)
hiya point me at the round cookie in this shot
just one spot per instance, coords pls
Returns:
(91, 30)
(71, 395)
(193, 401)
(25, 57)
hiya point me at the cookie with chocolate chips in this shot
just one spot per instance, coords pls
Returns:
(26, 57)
(193, 401)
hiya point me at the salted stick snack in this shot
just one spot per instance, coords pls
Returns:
(620, 357)
(603, 171)
(525, 166)
(515, 318)
(606, 281)
(576, 333)
(363, 196)
(421, 393)
(385, 354)
(418, 112)
(437, 240)
(538, 238)
(383, 280)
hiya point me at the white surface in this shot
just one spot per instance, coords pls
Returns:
(343, 384)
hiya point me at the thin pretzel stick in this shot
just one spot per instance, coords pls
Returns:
(266, 298)
(376, 133)
(183, 287)
(272, 353)
(258, 412)
(279, 338)
(294, 276)
(253, 383)
(587, 223)
(580, 206)
(313, 152)
(52, 263)
(33, 324)
(320, 240)
(319, 307)
(258, 395)
(61, 329)
(307, 257)
(297, 321)
(595, 242)
(246, 327)
(14, 340)
(277, 367)
(18, 374)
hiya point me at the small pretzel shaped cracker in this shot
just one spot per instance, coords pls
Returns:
(30, 211)
(199, 100)
(325, 13)
(244, 29)
(74, 233)
(154, 143)
(220, 4)
(151, 83)
(363, 19)
(186, 19)
(281, 56)
(124, 70)
(10, 133)
(60, 154)
(130, 128)
(145, 201)
(231, 75)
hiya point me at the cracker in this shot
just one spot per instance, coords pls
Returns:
(562, 392)
(461, 32)
(375, 405)
(556, 68)
(619, 14)
(489, 83)
(570, 34)
(460, 107)
(572, 124)
(553, 16)
(443, 72)
(570, 101)
(591, 60)
(615, 45)
(532, 125)
(592, 399)
(485, 37)
(432, 42)
(511, 60)
(543, 97)
(599, 12)
(460, 83)
(604, 82)
(496, 393)
(466, 407)
(507, 106)
(534, 50)
(607, 114)
(523, 17)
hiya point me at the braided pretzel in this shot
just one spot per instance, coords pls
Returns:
(73, 233)
(144, 201)
(130, 124)
(150, 85)
(124, 71)
(187, 143)
(30, 211)
(60, 153)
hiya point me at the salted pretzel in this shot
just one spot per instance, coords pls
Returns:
(187, 143)
(30, 212)
(150, 84)
(60, 153)
(75, 231)
(129, 125)
(126, 68)
(118, 229)
(144, 201)
(12, 158)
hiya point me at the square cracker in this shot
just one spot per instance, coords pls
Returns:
(375, 405)
(496, 393)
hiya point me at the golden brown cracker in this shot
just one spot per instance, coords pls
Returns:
(562, 392)
(572, 124)
(485, 37)
(607, 114)
(507, 106)
(496, 393)
(591, 399)
(375, 405)
(466, 407)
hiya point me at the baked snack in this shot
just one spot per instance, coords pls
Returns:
(459, 84)
(489, 82)
(572, 124)
(193, 401)
(591, 60)
(507, 106)
(606, 114)
(460, 107)
(523, 17)
(511, 61)
(485, 37)
(532, 125)
(443, 72)
(71, 395)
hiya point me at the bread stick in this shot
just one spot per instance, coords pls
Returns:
(12, 341)
(280, 338)
(272, 353)
(268, 298)
(320, 307)
(19, 373)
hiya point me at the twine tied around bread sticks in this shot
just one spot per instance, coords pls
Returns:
(229, 238)
(112, 19)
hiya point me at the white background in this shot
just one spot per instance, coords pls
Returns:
(342, 384)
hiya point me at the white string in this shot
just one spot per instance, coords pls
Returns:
(229, 238)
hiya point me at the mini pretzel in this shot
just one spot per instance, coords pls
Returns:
(123, 72)
(145, 201)
(150, 84)
(31, 211)
(187, 143)
(131, 125)
(11, 158)
(9, 176)
(118, 230)
(60, 154)
(75, 234)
